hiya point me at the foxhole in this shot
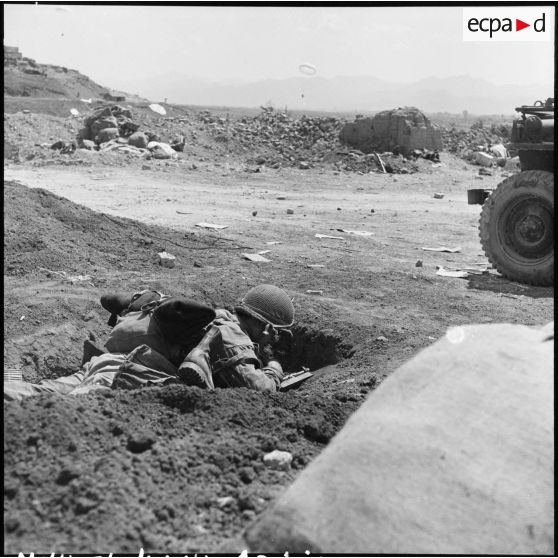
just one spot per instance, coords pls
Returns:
(310, 348)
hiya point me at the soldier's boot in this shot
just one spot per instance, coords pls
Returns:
(195, 369)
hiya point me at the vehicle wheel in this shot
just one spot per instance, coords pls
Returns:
(516, 227)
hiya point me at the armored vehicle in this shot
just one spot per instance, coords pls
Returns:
(516, 222)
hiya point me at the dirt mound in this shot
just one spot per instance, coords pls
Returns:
(71, 248)
(175, 469)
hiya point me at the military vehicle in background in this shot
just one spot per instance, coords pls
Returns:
(517, 218)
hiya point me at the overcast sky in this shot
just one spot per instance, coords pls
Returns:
(112, 44)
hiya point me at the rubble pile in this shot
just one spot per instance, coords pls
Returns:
(113, 129)
(278, 139)
(272, 139)
(465, 143)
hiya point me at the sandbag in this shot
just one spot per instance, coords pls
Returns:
(107, 134)
(138, 139)
(452, 455)
(160, 150)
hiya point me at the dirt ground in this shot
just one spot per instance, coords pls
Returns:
(178, 469)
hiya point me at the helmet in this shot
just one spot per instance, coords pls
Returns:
(269, 304)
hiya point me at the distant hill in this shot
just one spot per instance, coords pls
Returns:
(341, 94)
(24, 77)
(347, 93)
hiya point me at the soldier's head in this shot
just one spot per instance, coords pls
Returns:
(264, 311)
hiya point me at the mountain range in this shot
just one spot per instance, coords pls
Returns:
(344, 93)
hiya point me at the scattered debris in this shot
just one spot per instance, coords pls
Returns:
(458, 274)
(64, 146)
(278, 459)
(211, 226)
(254, 213)
(499, 150)
(438, 195)
(73, 279)
(262, 252)
(225, 501)
(418, 263)
(357, 233)
(160, 150)
(318, 235)
(273, 242)
(443, 249)
(178, 143)
(382, 339)
(315, 265)
(381, 162)
(74, 112)
(290, 211)
(314, 292)
(484, 159)
(255, 258)
(158, 109)
(166, 260)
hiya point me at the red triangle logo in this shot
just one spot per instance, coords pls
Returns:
(519, 25)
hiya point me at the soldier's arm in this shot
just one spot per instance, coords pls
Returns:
(246, 374)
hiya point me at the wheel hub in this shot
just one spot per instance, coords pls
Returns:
(529, 228)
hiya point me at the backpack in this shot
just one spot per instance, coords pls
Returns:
(172, 326)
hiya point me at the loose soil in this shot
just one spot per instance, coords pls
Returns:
(177, 469)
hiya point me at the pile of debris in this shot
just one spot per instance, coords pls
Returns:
(482, 146)
(112, 128)
(364, 163)
(278, 139)
(466, 142)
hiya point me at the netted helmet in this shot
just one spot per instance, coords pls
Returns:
(269, 304)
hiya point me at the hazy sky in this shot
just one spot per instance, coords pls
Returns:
(112, 44)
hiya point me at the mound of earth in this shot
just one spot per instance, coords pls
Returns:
(175, 469)
(172, 469)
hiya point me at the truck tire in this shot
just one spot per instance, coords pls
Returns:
(517, 229)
